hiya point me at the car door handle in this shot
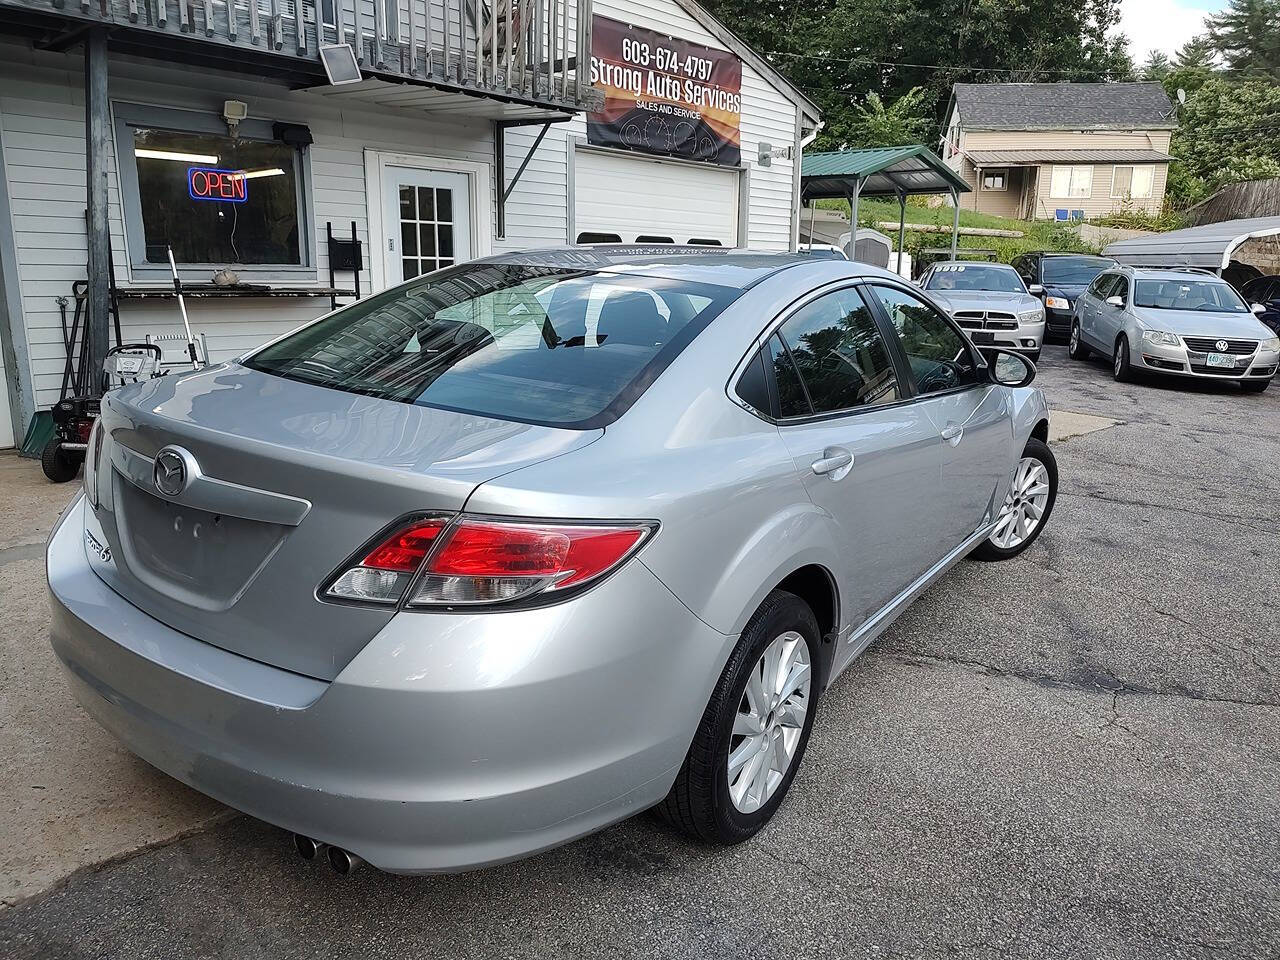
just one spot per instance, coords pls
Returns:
(833, 462)
(953, 433)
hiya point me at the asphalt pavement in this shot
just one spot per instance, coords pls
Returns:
(1072, 754)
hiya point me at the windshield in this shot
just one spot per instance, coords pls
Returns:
(1182, 294)
(536, 344)
(967, 276)
(1073, 271)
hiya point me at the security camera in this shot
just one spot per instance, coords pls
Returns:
(233, 111)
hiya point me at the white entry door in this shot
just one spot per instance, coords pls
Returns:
(427, 221)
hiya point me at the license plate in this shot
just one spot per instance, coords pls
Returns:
(979, 336)
(1220, 360)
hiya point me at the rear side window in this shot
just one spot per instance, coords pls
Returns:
(545, 345)
(842, 358)
(792, 400)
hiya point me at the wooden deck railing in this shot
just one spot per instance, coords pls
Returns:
(527, 50)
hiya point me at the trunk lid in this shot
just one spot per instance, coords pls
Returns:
(279, 483)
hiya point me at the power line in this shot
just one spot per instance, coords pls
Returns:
(1076, 72)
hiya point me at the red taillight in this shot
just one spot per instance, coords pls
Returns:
(387, 570)
(405, 549)
(474, 561)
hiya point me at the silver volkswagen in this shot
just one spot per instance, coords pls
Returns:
(1187, 323)
(517, 549)
(991, 302)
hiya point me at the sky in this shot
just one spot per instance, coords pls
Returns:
(1163, 24)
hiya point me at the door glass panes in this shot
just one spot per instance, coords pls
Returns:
(939, 357)
(426, 229)
(792, 401)
(842, 358)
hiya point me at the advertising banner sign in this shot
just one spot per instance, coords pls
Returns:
(664, 95)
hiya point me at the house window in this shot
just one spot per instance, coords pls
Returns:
(215, 200)
(1133, 183)
(995, 179)
(1071, 181)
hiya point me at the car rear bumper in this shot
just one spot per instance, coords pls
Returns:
(451, 741)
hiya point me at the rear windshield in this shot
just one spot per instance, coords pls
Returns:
(1073, 270)
(546, 345)
(966, 276)
(1188, 295)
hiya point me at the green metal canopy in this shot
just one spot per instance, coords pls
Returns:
(879, 171)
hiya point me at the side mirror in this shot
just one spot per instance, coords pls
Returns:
(1257, 308)
(1009, 369)
(1036, 289)
(1115, 301)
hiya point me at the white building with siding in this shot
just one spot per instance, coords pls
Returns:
(325, 157)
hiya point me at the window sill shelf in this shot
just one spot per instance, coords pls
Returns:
(203, 291)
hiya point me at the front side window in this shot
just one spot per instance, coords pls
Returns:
(939, 356)
(967, 276)
(1071, 181)
(841, 356)
(1120, 289)
(535, 344)
(1101, 283)
(1179, 294)
(216, 200)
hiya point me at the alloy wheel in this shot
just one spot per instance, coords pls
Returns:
(1075, 338)
(1024, 506)
(769, 722)
(1119, 360)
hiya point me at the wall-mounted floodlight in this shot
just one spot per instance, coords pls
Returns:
(340, 64)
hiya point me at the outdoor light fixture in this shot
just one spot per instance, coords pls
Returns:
(340, 64)
(174, 155)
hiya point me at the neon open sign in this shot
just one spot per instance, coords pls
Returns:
(224, 186)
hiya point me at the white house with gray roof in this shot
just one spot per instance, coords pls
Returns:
(1043, 151)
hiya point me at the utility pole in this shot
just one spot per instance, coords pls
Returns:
(96, 113)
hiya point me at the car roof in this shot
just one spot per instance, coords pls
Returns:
(1155, 273)
(727, 266)
(971, 263)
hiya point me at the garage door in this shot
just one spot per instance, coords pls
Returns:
(630, 199)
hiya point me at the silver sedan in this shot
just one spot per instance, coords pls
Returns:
(514, 550)
(991, 302)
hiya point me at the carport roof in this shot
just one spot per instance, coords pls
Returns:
(1209, 246)
(882, 171)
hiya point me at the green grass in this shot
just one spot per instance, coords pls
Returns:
(1036, 235)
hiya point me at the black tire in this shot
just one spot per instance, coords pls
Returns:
(1038, 450)
(699, 803)
(1076, 349)
(58, 466)
(1120, 368)
(1255, 386)
(1034, 356)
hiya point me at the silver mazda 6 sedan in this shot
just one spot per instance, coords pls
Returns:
(517, 549)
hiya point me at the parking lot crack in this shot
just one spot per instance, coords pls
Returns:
(1264, 525)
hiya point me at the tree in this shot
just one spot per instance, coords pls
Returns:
(1247, 34)
(906, 120)
(1157, 66)
(839, 51)
(1224, 136)
(1198, 53)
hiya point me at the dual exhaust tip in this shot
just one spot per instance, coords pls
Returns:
(342, 861)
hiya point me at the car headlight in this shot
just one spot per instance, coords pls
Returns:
(1030, 316)
(1271, 344)
(1161, 337)
(1057, 303)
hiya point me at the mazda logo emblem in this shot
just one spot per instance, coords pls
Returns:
(1222, 345)
(171, 473)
